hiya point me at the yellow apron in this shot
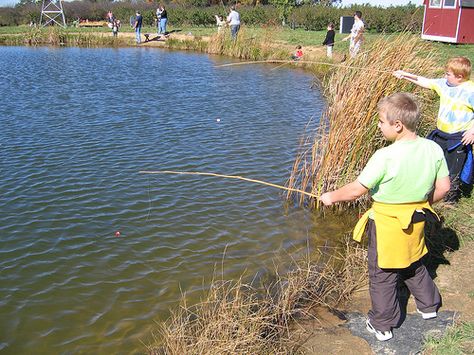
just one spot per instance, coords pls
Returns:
(399, 242)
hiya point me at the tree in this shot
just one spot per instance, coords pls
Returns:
(284, 8)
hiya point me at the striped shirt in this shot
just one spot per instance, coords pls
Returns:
(456, 106)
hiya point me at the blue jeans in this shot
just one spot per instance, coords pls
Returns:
(137, 34)
(234, 29)
(163, 25)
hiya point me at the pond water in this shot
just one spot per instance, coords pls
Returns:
(77, 125)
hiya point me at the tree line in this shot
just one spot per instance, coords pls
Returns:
(294, 13)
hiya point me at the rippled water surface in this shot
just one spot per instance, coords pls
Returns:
(77, 125)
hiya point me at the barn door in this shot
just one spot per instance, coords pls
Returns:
(449, 17)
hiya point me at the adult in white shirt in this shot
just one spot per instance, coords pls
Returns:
(357, 34)
(234, 21)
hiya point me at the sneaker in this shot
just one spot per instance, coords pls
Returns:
(381, 336)
(427, 315)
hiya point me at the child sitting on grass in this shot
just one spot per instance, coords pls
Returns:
(455, 122)
(403, 178)
(298, 54)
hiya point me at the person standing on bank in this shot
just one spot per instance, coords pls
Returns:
(455, 122)
(234, 21)
(138, 27)
(357, 35)
(329, 40)
(163, 20)
(158, 18)
(403, 179)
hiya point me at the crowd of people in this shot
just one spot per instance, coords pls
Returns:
(232, 20)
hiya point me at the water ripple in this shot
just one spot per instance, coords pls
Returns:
(72, 147)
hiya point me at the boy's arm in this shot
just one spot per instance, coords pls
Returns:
(348, 192)
(415, 79)
(441, 188)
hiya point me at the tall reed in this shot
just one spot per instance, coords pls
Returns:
(239, 318)
(347, 136)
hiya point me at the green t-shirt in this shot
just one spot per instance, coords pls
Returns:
(405, 171)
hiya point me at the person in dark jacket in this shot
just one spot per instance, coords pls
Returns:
(329, 40)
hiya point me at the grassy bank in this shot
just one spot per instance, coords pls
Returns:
(19, 35)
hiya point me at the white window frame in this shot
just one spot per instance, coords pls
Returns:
(449, 6)
(430, 4)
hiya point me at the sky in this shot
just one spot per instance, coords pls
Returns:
(344, 2)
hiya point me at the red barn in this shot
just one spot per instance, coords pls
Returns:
(449, 21)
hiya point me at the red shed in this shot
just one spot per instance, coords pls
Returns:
(449, 21)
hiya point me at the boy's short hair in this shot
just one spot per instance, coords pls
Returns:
(403, 107)
(358, 14)
(331, 25)
(459, 66)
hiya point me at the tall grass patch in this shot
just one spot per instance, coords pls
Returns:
(238, 317)
(334, 153)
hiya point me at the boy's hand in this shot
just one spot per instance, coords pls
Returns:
(401, 74)
(326, 199)
(468, 137)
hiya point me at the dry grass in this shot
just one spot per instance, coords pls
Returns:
(239, 318)
(247, 45)
(347, 135)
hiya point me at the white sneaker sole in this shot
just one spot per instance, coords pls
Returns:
(429, 315)
(378, 334)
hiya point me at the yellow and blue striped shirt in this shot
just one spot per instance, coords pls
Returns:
(456, 107)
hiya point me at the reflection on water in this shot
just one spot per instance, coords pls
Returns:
(77, 126)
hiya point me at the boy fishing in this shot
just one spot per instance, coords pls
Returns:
(455, 122)
(403, 180)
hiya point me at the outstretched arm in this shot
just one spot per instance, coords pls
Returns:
(415, 79)
(348, 192)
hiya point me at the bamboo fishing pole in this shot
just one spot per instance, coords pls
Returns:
(285, 61)
(228, 177)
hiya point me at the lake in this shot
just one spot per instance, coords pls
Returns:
(77, 126)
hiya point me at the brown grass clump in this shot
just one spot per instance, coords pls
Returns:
(247, 45)
(240, 318)
(347, 135)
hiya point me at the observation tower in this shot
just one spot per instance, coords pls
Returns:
(52, 13)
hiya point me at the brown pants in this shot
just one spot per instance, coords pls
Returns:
(385, 312)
